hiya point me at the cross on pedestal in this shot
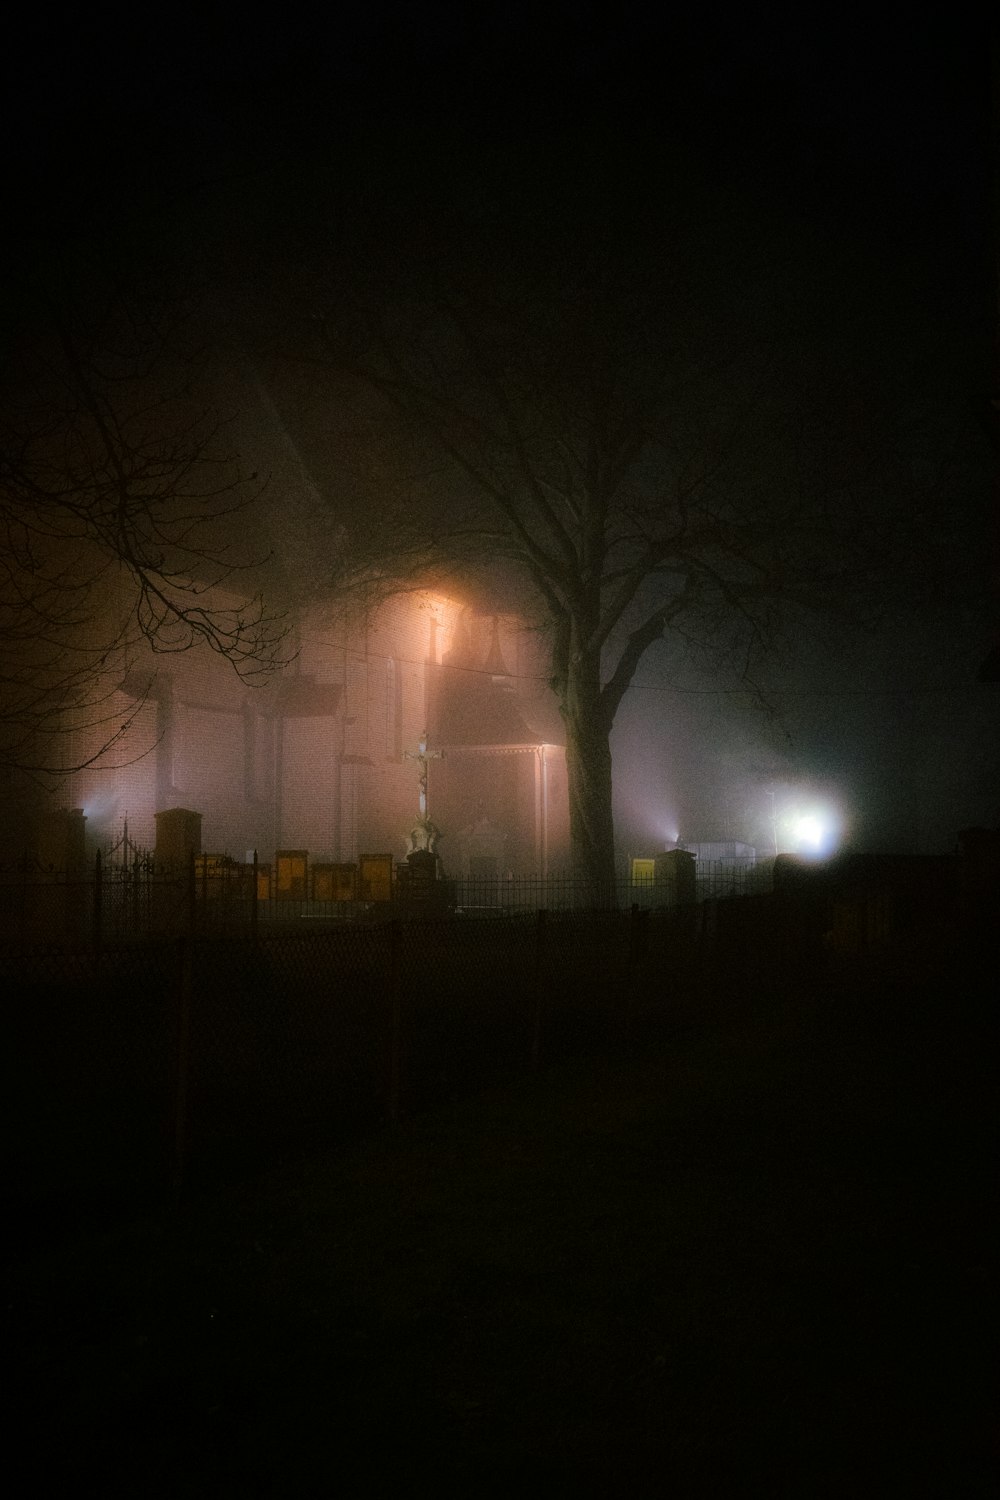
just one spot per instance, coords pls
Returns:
(422, 755)
(425, 834)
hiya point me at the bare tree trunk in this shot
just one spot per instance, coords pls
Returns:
(588, 764)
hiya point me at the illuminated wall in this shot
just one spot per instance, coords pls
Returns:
(320, 758)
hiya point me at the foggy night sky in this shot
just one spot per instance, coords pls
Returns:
(196, 136)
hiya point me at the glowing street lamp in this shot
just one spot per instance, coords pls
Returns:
(809, 832)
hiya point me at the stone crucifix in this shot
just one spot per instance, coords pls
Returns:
(425, 834)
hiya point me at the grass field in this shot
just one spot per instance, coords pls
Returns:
(742, 1253)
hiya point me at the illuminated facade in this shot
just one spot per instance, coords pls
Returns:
(321, 757)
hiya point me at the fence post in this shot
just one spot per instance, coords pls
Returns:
(192, 893)
(22, 924)
(182, 1064)
(634, 942)
(135, 902)
(536, 1024)
(253, 903)
(97, 915)
(395, 1023)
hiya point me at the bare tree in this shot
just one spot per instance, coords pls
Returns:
(629, 457)
(123, 517)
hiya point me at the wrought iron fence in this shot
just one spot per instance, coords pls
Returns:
(714, 880)
(124, 896)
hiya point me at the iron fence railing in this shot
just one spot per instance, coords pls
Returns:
(123, 895)
(713, 881)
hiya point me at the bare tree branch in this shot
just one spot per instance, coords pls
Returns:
(122, 519)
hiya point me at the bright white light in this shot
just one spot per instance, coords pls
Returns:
(810, 831)
(808, 825)
(816, 834)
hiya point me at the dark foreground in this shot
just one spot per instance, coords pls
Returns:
(745, 1255)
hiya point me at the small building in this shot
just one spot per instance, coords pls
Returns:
(723, 867)
(724, 853)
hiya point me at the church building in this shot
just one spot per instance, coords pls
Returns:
(428, 712)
